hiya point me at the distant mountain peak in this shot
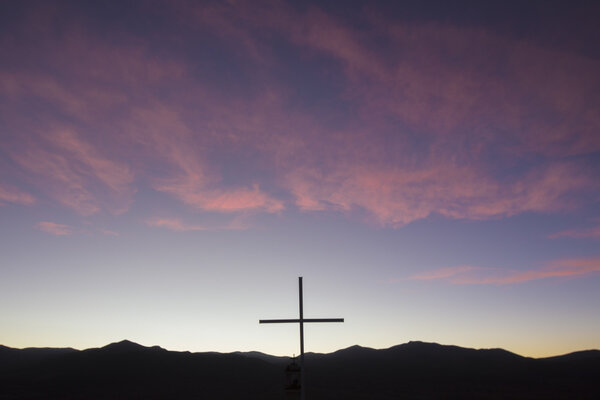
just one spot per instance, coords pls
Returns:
(352, 350)
(128, 345)
(124, 345)
(420, 343)
(356, 346)
(126, 342)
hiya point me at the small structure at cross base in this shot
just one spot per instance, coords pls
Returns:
(300, 321)
(292, 381)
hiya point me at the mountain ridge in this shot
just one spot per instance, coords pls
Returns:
(127, 345)
(127, 369)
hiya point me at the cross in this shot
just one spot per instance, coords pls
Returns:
(301, 322)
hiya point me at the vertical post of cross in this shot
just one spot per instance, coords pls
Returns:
(301, 340)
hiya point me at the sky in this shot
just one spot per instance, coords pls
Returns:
(169, 169)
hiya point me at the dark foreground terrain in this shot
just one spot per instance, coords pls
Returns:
(415, 370)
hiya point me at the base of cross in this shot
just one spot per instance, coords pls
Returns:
(293, 378)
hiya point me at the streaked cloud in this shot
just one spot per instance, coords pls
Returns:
(583, 233)
(396, 197)
(445, 106)
(444, 273)
(469, 275)
(72, 172)
(56, 176)
(177, 225)
(402, 135)
(173, 224)
(221, 200)
(10, 194)
(115, 176)
(54, 228)
(454, 93)
(192, 180)
(108, 232)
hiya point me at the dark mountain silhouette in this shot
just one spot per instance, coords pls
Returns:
(416, 370)
(14, 358)
(265, 357)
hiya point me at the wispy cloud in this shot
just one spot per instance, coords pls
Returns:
(444, 273)
(401, 135)
(108, 232)
(221, 200)
(191, 179)
(437, 96)
(592, 233)
(72, 172)
(11, 194)
(115, 175)
(406, 195)
(54, 228)
(177, 225)
(173, 224)
(469, 275)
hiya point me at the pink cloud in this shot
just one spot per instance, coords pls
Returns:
(99, 77)
(395, 197)
(419, 82)
(177, 225)
(54, 228)
(108, 232)
(76, 175)
(565, 268)
(441, 78)
(73, 159)
(59, 179)
(425, 119)
(462, 111)
(174, 224)
(117, 176)
(222, 200)
(444, 273)
(593, 233)
(92, 82)
(13, 195)
(192, 180)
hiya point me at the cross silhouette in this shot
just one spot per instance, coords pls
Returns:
(301, 322)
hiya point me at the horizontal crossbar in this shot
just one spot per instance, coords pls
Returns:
(287, 321)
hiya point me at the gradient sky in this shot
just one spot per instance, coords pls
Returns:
(168, 170)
